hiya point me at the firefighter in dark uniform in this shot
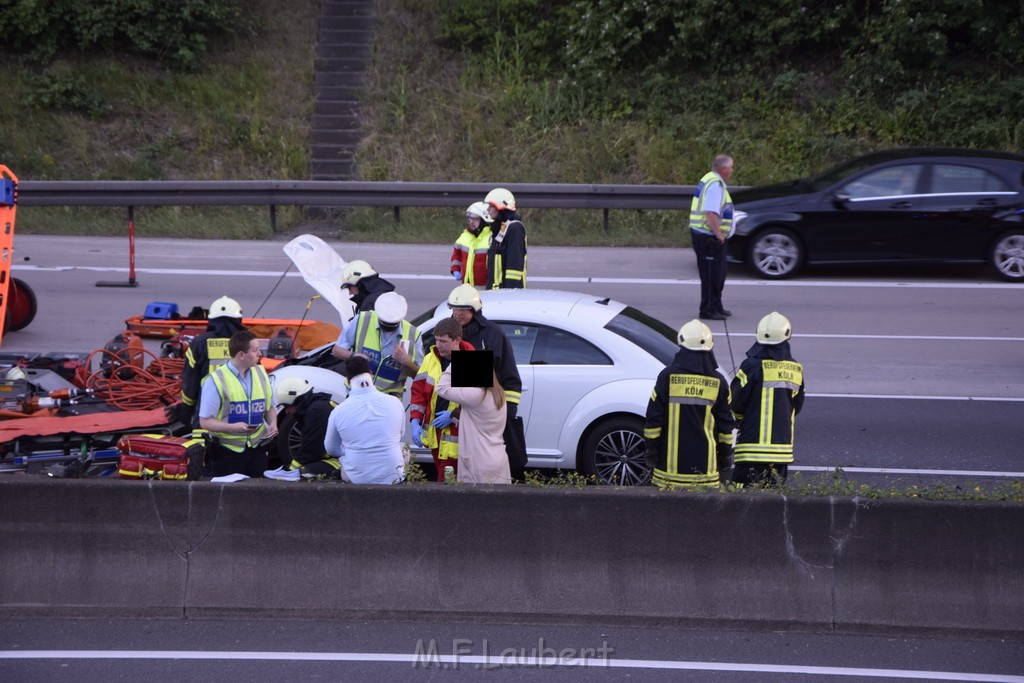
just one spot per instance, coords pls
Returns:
(295, 396)
(206, 353)
(364, 284)
(767, 393)
(689, 425)
(506, 255)
(484, 335)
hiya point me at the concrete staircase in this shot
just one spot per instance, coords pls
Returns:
(342, 58)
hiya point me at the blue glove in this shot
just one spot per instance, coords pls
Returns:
(443, 419)
(457, 275)
(417, 434)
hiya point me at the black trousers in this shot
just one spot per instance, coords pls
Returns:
(711, 267)
(224, 461)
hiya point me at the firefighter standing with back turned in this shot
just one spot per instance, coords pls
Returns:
(689, 424)
(506, 256)
(767, 393)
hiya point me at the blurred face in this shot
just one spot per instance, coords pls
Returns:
(445, 345)
(473, 224)
(462, 316)
(726, 171)
(492, 211)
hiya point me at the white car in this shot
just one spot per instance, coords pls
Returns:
(588, 366)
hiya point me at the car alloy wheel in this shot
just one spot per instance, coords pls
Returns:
(614, 453)
(775, 254)
(289, 439)
(1008, 256)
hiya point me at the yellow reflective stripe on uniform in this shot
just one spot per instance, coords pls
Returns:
(513, 396)
(672, 439)
(709, 431)
(652, 432)
(764, 432)
(513, 275)
(742, 377)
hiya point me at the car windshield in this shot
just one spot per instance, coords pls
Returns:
(650, 334)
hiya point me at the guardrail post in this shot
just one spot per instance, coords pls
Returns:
(131, 256)
(606, 220)
(273, 218)
(398, 215)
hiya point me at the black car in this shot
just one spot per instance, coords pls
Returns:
(902, 206)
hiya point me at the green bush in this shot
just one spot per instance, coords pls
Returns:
(176, 32)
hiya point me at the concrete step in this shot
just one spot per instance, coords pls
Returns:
(346, 9)
(333, 79)
(338, 93)
(333, 36)
(334, 122)
(343, 168)
(358, 51)
(331, 154)
(341, 64)
(349, 23)
(340, 107)
(331, 137)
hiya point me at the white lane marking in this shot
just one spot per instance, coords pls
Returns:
(889, 470)
(428, 661)
(552, 278)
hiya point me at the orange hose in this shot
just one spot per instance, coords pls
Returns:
(130, 387)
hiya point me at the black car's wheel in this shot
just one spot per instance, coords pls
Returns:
(775, 253)
(1007, 255)
(289, 438)
(614, 453)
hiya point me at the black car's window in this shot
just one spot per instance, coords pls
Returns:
(957, 179)
(892, 181)
(650, 334)
(538, 345)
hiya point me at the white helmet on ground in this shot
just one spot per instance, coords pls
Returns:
(225, 307)
(695, 336)
(774, 328)
(289, 389)
(500, 198)
(356, 271)
(391, 308)
(465, 296)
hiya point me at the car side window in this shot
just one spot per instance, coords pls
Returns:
(957, 179)
(892, 181)
(523, 338)
(558, 347)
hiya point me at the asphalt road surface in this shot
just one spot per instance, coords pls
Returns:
(920, 374)
(110, 650)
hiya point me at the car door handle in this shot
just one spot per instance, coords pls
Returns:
(900, 205)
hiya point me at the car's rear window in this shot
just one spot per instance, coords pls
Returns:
(650, 334)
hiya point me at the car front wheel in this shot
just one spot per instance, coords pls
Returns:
(775, 253)
(1008, 256)
(614, 453)
(289, 440)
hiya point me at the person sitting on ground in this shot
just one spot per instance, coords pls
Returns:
(308, 411)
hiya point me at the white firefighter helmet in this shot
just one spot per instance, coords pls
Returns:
(465, 296)
(478, 210)
(500, 198)
(391, 308)
(695, 336)
(225, 307)
(356, 271)
(774, 328)
(289, 389)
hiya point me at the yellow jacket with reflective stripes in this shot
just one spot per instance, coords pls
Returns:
(237, 406)
(767, 393)
(698, 221)
(388, 375)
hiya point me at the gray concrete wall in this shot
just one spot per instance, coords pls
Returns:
(261, 548)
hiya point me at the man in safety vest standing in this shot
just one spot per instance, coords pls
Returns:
(506, 256)
(469, 256)
(710, 225)
(689, 425)
(767, 393)
(391, 343)
(236, 407)
(207, 352)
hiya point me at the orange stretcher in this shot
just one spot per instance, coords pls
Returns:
(310, 334)
(96, 423)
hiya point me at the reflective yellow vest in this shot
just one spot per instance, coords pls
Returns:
(698, 221)
(237, 406)
(475, 247)
(449, 443)
(388, 374)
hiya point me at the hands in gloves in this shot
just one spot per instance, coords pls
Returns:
(457, 275)
(443, 419)
(417, 434)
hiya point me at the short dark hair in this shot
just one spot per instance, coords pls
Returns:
(239, 342)
(448, 327)
(355, 366)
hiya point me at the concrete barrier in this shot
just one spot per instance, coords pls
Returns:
(261, 548)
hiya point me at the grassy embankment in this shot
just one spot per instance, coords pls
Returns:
(430, 115)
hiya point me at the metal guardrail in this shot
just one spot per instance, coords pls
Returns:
(314, 193)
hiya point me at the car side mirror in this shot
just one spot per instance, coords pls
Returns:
(840, 199)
